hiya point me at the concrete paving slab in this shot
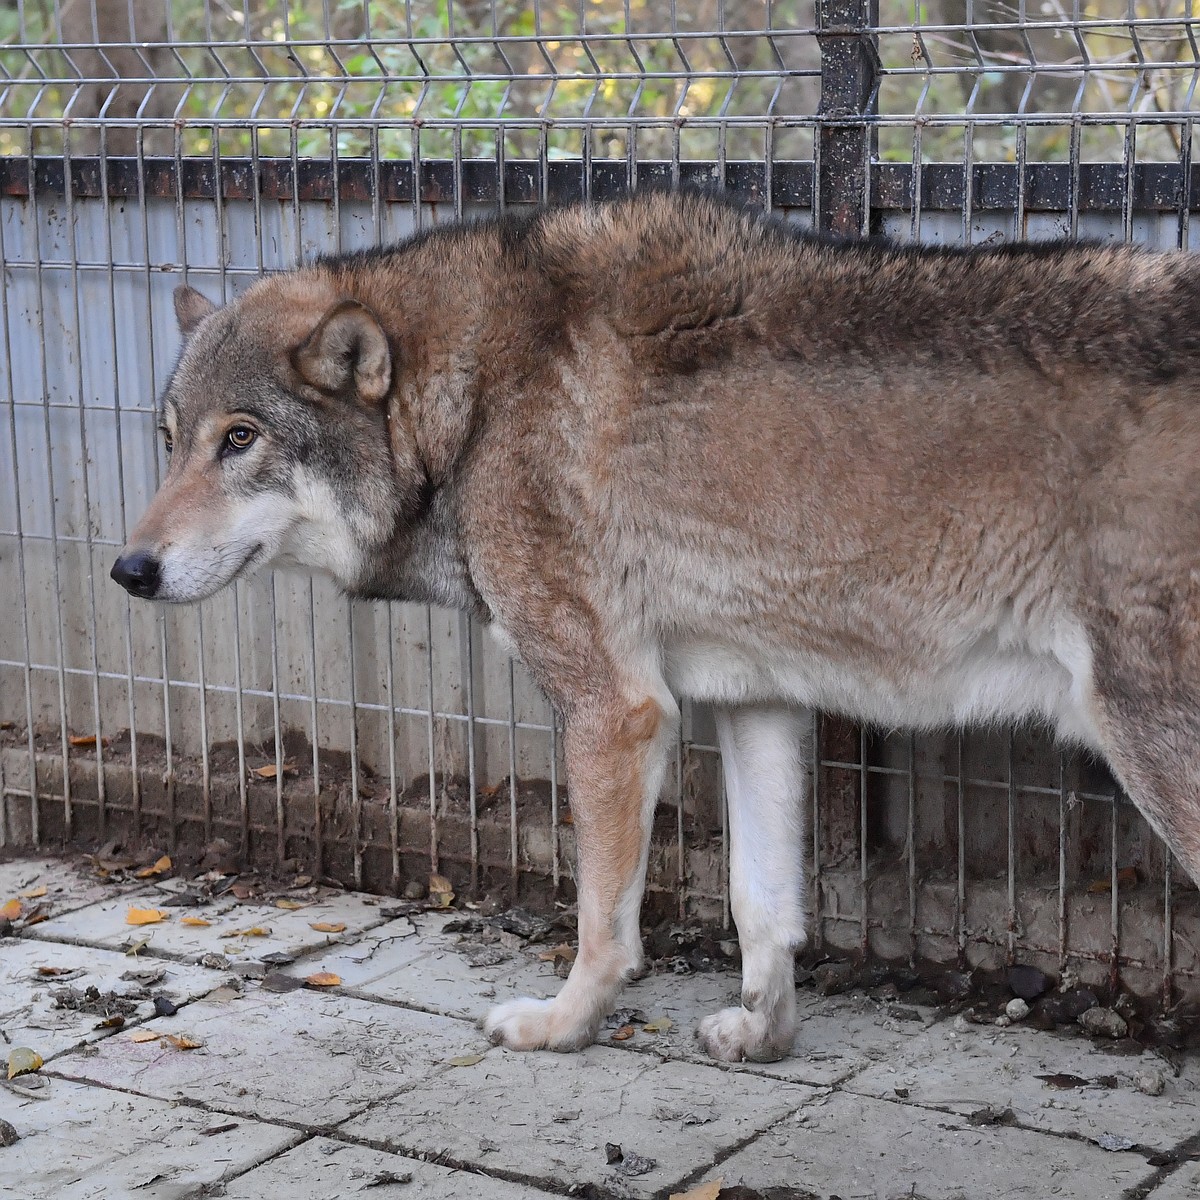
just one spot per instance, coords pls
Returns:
(1182, 1184)
(88, 1143)
(981, 1067)
(29, 1015)
(420, 966)
(550, 1116)
(286, 931)
(860, 1149)
(321, 1169)
(68, 884)
(305, 1057)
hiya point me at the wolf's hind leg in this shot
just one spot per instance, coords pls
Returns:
(765, 755)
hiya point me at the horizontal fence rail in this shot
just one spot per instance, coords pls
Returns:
(144, 144)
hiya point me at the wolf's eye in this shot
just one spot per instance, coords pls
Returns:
(168, 441)
(241, 437)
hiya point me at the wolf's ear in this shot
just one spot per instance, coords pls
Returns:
(347, 348)
(191, 308)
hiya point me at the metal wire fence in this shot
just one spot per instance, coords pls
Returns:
(144, 143)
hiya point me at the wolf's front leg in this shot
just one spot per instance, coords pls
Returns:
(616, 752)
(765, 751)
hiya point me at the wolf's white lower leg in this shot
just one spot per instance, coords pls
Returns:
(616, 760)
(765, 755)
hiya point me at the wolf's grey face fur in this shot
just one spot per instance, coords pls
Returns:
(278, 448)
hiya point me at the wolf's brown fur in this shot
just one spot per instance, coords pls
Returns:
(666, 446)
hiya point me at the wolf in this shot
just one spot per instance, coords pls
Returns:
(667, 447)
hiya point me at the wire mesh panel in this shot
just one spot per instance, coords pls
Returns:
(143, 144)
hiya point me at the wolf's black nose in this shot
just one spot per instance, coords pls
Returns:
(137, 573)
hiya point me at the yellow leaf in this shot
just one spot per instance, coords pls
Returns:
(659, 1025)
(323, 979)
(11, 911)
(34, 893)
(267, 772)
(328, 926)
(181, 1041)
(143, 1035)
(193, 921)
(137, 947)
(284, 902)
(257, 931)
(563, 952)
(22, 1060)
(87, 739)
(703, 1191)
(145, 916)
(466, 1060)
(162, 865)
(441, 891)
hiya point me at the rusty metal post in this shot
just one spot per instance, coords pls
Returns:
(849, 81)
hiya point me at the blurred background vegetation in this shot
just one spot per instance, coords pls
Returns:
(655, 79)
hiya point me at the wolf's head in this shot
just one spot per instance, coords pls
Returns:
(277, 424)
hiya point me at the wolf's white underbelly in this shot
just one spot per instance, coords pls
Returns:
(989, 681)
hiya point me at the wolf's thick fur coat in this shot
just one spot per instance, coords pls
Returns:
(666, 447)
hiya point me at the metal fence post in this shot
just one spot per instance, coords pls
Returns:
(849, 79)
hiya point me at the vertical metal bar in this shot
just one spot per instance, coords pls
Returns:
(434, 855)
(1062, 861)
(816, 889)
(1114, 965)
(960, 895)
(472, 766)
(849, 80)
(22, 576)
(84, 483)
(911, 848)
(513, 833)
(863, 878)
(393, 791)
(555, 814)
(356, 816)
(1012, 850)
(52, 507)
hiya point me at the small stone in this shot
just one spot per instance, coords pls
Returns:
(8, 1134)
(1104, 1022)
(1003, 1022)
(1016, 1010)
(1027, 983)
(961, 1024)
(414, 889)
(217, 962)
(164, 1007)
(834, 977)
(1150, 1081)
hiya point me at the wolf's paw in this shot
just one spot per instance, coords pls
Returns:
(737, 1035)
(537, 1025)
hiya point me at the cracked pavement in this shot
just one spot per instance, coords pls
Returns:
(383, 1084)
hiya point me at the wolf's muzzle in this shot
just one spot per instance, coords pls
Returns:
(138, 574)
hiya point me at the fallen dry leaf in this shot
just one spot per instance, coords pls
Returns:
(135, 948)
(623, 1034)
(161, 866)
(195, 921)
(323, 979)
(11, 911)
(88, 739)
(34, 893)
(1127, 877)
(254, 931)
(703, 1191)
(22, 1060)
(466, 1060)
(441, 891)
(328, 926)
(145, 916)
(52, 972)
(659, 1025)
(39, 914)
(564, 952)
(271, 770)
(291, 905)
(182, 1041)
(143, 1035)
